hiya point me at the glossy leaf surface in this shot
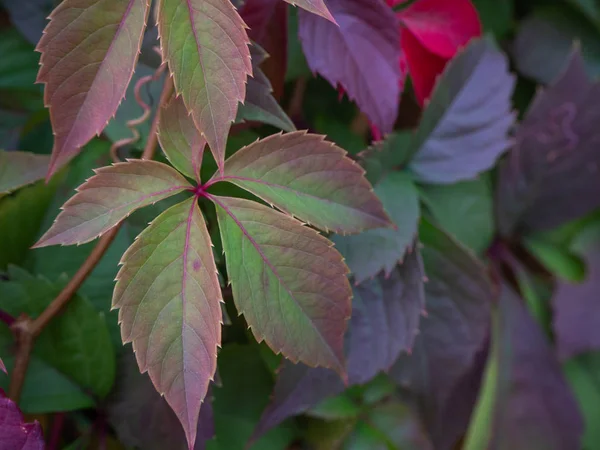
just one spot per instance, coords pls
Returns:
(287, 280)
(361, 55)
(18, 169)
(110, 196)
(89, 51)
(180, 140)
(168, 296)
(465, 127)
(206, 46)
(372, 251)
(310, 178)
(551, 175)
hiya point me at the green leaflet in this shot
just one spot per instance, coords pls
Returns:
(75, 344)
(289, 282)
(206, 46)
(180, 140)
(168, 295)
(110, 196)
(308, 177)
(18, 169)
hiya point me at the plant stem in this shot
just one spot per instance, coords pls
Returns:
(26, 329)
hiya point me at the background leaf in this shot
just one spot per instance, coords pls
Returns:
(18, 169)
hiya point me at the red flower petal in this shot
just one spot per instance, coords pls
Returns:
(423, 66)
(441, 26)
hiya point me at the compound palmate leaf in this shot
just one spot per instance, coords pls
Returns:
(89, 51)
(304, 175)
(288, 280)
(206, 45)
(18, 169)
(110, 196)
(168, 295)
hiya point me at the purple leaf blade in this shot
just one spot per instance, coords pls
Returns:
(108, 197)
(287, 280)
(206, 45)
(179, 138)
(526, 402)
(551, 175)
(317, 7)
(18, 169)
(465, 127)
(89, 51)
(175, 336)
(362, 55)
(15, 434)
(308, 177)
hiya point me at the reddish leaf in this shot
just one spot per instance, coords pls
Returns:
(110, 196)
(89, 51)
(180, 139)
(314, 6)
(18, 169)
(551, 176)
(361, 54)
(433, 31)
(287, 280)
(15, 434)
(304, 175)
(206, 46)
(168, 296)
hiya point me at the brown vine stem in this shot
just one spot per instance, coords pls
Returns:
(26, 329)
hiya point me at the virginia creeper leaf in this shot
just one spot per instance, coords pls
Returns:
(304, 175)
(180, 139)
(372, 251)
(465, 127)
(110, 196)
(551, 175)
(206, 46)
(575, 304)
(317, 7)
(458, 298)
(260, 105)
(168, 296)
(89, 51)
(18, 169)
(385, 318)
(525, 402)
(361, 55)
(143, 418)
(288, 280)
(15, 433)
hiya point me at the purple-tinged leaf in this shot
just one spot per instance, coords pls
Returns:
(575, 305)
(206, 46)
(260, 105)
(361, 55)
(18, 169)
(308, 177)
(180, 140)
(552, 174)
(525, 402)
(465, 126)
(317, 7)
(89, 51)
(287, 280)
(458, 298)
(108, 197)
(15, 434)
(168, 295)
(372, 251)
(384, 322)
(143, 419)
